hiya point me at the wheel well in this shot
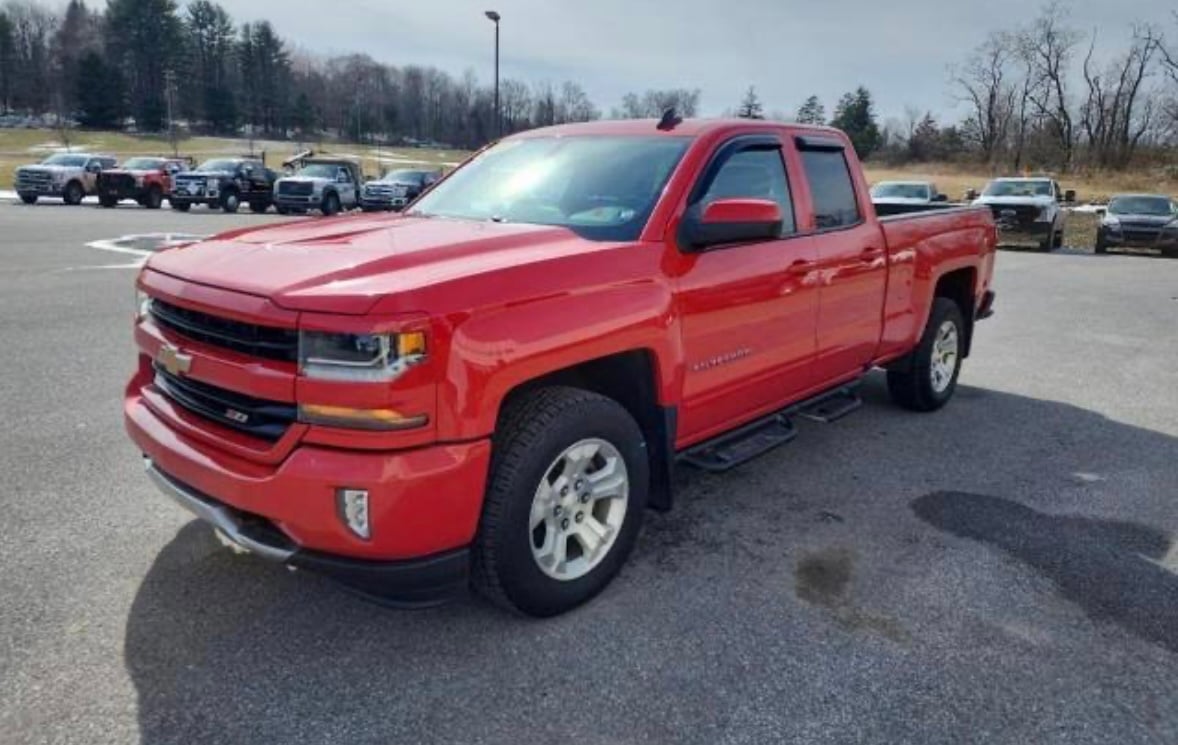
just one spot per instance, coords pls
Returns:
(629, 379)
(958, 286)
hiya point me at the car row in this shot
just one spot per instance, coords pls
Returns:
(325, 184)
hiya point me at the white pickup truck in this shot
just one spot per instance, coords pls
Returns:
(70, 176)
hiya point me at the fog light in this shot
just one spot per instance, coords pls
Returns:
(353, 510)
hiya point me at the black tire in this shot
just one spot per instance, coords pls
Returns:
(330, 205)
(73, 194)
(282, 210)
(154, 199)
(534, 430)
(1058, 239)
(911, 385)
(181, 206)
(230, 201)
(259, 207)
(1101, 244)
(1170, 253)
(28, 198)
(108, 202)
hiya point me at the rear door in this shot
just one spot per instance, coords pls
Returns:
(748, 310)
(852, 262)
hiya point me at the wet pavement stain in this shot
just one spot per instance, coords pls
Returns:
(1114, 571)
(823, 579)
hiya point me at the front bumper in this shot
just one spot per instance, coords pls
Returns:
(304, 203)
(190, 200)
(415, 582)
(121, 192)
(38, 190)
(424, 504)
(1140, 239)
(1024, 232)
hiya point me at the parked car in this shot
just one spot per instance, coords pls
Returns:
(325, 184)
(396, 189)
(147, 180)
(71, 176)
(1028, 210)
(1139, 221)
(899, 197)
(225, 183)
(497, 385)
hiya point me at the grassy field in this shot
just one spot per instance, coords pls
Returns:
(20, 147)
(1097, 187)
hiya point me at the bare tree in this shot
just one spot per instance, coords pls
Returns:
(985, 84)
(1117, 113)
(1050, 45)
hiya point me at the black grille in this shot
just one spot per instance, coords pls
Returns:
(1020, 214)
(116, 181)
(296, 188)
(266, 420)
(269, 342)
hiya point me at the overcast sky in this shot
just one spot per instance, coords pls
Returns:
(788, 49)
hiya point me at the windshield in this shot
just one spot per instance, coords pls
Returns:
(211, 166)
(901, 191)
(1038, 188)
(70, 161)
(1155, 206)
(320, 170)
(602, 188)
(144, 164)
(406, 177)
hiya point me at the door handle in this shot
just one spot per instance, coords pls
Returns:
(801, 266)
(871, 253)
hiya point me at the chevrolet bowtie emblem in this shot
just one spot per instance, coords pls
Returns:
(173, 360)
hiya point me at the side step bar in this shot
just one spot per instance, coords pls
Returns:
(741, 445)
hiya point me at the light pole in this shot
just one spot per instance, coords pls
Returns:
(494, 17)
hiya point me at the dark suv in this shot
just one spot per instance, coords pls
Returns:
(396, 189)
(225, 183)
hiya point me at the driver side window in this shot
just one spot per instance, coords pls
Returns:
(754, 174)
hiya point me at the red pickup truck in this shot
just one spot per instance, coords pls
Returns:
(492, 387)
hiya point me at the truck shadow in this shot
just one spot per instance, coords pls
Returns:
(228, 649)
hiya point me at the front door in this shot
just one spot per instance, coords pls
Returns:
(748, 310)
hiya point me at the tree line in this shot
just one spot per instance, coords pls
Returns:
(152, 62)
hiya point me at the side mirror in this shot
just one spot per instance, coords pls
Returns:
(93, 168)
(342, 178)
(971, 194)
(732, 221)
(1069, 196)
(941, 198)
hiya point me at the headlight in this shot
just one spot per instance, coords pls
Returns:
(142, 304)
(1045, 215)
(58, 177)
(1111, 221)
(359, 357)
(139, 182)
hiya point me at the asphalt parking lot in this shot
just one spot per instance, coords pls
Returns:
(1004, 571)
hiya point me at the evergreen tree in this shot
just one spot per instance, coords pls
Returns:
(303, 115)
(750, 107)
(812, 112)
(99, 93)
(855, 115)
(143, 38)
(7, 60)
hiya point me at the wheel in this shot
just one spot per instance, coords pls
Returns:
(73, 193)
(1101, 245)
(154, 198)
(28, 198)
(1058, 243)
(108, 202)
(181, 206)
(1170, 252)
(283, 210)
(330, 204)
(259, 207)
(564, 504)
(930, 378)
(230, 201)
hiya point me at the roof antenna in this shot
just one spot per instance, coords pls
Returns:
(670, 120)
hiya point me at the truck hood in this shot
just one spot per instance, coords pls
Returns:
(346, 265)
(49, 169)
(204, 174)
(1151, 221)
(1017, 201)
(900, 200)
(306, 180)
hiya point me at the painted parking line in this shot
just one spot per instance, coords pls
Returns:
(139, 245)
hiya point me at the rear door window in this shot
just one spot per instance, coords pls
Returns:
(758, 174)
(833, 191)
